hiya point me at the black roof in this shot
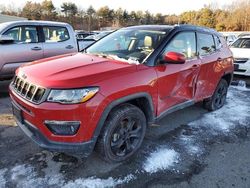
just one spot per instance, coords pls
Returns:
(152, 27)
(171, 27)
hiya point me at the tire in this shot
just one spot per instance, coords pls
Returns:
(219, 97)
(123, 133)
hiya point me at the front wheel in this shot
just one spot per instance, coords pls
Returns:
(219, 97)
(123, 133)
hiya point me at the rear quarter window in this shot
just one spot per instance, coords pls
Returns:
(218, 42)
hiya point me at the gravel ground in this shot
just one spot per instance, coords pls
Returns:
(197, 149)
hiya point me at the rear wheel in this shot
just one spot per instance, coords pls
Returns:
(219, 97)
(123, 133)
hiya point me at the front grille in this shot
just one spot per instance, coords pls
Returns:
(240, 60)
(28, 90)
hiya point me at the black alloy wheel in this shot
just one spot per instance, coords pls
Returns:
(219, 97)
(122, 134)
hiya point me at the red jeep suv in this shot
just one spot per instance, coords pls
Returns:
(105, 97)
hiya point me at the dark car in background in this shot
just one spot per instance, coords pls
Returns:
(92, 38)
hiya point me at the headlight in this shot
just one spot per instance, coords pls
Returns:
(72, 96)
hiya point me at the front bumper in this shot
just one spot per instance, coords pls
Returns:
(79, 149)
(34, 117)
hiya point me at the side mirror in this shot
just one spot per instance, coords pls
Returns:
(5, 39)
(174, 58)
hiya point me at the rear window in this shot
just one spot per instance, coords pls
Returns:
(206, 44)
(241, 43)
(55, 34)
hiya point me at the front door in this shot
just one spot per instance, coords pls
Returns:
(177, 82)
(26, 46)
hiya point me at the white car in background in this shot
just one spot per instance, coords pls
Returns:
(241, 53)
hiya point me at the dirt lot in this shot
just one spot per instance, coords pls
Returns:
(189, 148)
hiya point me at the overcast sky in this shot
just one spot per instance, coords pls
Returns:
(154, 6)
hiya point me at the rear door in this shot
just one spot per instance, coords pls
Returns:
(211, 59)
(177, 82)
(26, 47)
(57, 41)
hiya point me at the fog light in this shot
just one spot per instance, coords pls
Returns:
(63, 127)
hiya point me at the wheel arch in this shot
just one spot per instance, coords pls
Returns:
(228, 77)
(142, 100)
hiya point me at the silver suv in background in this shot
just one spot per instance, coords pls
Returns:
(26, 41)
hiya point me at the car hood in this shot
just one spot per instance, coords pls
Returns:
(240, 52)
(73, 70)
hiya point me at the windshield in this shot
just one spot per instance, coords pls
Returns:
(130, 45)
(241, 43)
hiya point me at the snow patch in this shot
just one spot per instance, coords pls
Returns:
(190, 144)
(193, 149)
(131, 60)
(2, 179)
(23, 176)
(52, 172)
(161, 159)
(234, 112)
(97, 182)
(241, 88)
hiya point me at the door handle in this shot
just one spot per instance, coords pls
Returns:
(36, 48)
(195, 66)
(69, 47)
(219, 59)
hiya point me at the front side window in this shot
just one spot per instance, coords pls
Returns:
(23, 34)
(131, 45)
(55, 34)
(206, 44)
(184, 43)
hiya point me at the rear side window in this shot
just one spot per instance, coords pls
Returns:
(206, 44)
(23, 34)
(55, 34)
(184, 43)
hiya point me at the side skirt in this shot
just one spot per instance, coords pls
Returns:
(175, 108)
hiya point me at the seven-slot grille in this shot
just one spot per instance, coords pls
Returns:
(27, 90)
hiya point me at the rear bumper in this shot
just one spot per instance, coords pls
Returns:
(81, 149)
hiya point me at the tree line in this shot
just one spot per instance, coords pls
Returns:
(235, 17)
